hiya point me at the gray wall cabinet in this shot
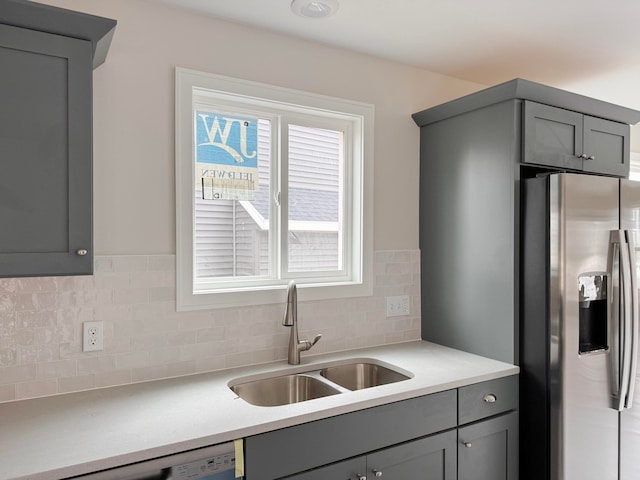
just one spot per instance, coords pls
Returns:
(416, 438)
(47, 56)
(569, 140)
(473, 152)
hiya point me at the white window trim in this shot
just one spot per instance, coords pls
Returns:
(186, 80)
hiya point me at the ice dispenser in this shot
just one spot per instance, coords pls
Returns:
(593, 331)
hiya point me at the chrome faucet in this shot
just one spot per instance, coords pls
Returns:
(291, 320)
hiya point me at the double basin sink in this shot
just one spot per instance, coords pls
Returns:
(316, 383)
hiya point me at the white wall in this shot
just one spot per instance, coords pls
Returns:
(134, 124)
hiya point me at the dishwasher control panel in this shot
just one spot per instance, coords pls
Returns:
(217, 467)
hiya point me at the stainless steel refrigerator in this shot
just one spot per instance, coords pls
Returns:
(580, 402)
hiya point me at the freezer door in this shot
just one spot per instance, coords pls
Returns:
(630, 418)
(583, 213)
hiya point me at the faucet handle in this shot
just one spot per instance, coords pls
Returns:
(306, 344)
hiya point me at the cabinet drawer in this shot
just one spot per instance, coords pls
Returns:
(487, 399)
(302, 447)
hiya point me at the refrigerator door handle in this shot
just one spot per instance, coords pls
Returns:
(620, 253)
(633, 305)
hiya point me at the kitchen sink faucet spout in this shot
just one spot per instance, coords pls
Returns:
(291, 320)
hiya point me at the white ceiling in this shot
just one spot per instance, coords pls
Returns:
(591, 47)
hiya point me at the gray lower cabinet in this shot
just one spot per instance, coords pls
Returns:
(469, 432)
(352, 469)
(47, 56)
(305, 447)
(488, 450)
(429, 458)
(488, 430)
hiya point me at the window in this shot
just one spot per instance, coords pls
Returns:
(272, 185)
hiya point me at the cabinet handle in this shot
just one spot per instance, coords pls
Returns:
(81, 252)
(583, 156)
(467, 444)
(591, 157)
(490, 398)
(361, 477)
(377, 473)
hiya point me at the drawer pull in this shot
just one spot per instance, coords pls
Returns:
(490, 398)
(377, 473)
(467, 444)
(361, 477)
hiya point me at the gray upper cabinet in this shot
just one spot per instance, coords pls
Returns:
(47, 56)
(473, 153)
(569, 140)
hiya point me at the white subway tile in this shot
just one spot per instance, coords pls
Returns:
(110, 379)
(145, 374)
(38, 388)
(7, 393)
(61, 368)
(146, 338)
(77, 383)
(132, 360)
(130, 263)
(96, 364)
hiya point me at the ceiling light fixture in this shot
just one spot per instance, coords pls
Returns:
(315, 9)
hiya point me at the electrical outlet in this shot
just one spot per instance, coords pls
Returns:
(92, 336)
(398, 306)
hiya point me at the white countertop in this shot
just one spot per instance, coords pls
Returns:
(65, 435)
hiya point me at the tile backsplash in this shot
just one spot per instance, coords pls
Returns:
(146, 339)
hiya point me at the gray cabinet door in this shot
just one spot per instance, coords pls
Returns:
(552, 136)
(45, 154)
(352, 469)
(607, 146)
(488, 450)
(430, 458)
(570, 140)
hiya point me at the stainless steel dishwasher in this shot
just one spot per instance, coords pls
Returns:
(217, 462)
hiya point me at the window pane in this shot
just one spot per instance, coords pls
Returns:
(232, 236)
(315, 197)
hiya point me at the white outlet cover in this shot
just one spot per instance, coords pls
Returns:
(92, 336)
(398, 306)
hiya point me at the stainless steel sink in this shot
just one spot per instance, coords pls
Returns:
(356, 376)
(284, 390)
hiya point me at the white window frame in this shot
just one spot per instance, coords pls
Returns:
(359, 279)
